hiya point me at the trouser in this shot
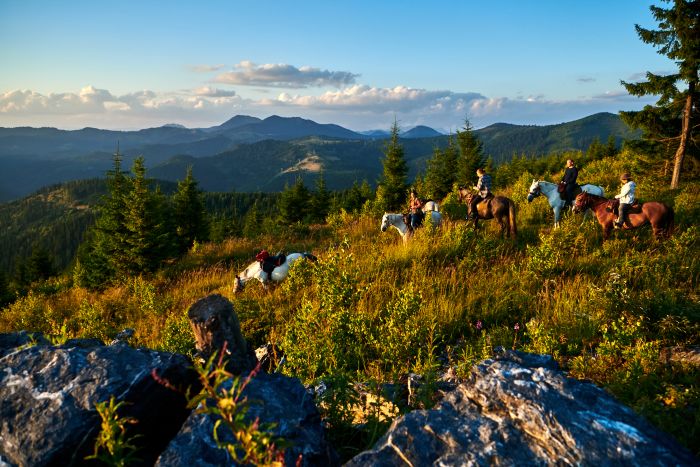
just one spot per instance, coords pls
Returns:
(570, 188)
(472, 206)
(416, 218)
(623, 210)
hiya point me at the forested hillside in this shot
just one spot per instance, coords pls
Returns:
(35, 157)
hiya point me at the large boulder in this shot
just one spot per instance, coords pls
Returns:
(48, 395)
(519, 409)
(273, 398)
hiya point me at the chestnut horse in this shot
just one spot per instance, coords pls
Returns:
(659, 215)
(499, 207)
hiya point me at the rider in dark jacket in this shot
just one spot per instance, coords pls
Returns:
(483, 188)
(570, 176)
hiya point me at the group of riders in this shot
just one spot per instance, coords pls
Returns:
(568, 186)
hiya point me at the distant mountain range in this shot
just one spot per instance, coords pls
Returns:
(250, 154)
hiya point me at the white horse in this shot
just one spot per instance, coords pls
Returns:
(397, 221)
(430, 205)
(255, 271)
(549, 190)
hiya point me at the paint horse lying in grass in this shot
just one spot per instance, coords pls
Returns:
(278, 270)
(400, 222)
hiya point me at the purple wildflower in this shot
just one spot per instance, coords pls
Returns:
(517, 327)
(479, 325)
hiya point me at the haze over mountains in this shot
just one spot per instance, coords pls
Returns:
(251, 154)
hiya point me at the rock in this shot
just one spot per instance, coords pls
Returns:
(214, 323)
(683, 355)
(519, 409)
(16, 340)
(48, 394)
(274, 399)
(124, 336)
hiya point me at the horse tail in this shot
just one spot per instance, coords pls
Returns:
(670, 221)
(511, 217)
(310, 257)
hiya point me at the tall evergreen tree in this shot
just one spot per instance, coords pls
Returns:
(40, 265)
(143, 220)
(320, 201)
(393, 186)
(294, 203)
(99, 254)
(190, 216)
(441, 172)
(678, 37)
(471, 155)
(4, 289)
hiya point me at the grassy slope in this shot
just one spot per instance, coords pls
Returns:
(372, 309)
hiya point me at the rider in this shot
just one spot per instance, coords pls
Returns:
(569, 179)
(626, 197)
(415, 206)
(483, 187)
(267, 263)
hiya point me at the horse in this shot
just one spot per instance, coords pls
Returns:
(255, 271)
(400, 222)
(549, 190)
(658, 214)
(499, 207)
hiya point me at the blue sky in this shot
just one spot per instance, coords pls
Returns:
(360, 64)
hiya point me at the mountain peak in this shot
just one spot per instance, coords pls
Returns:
(420, 131)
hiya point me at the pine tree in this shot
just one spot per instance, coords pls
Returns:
(252, 222)
(4, 289)
(393, 187)
(98, 254)
(441, 172)
(294, 203)
(39, 265)
(471, 155)
(190, 217)
(320, 201)
(144, 225)
(678, 37)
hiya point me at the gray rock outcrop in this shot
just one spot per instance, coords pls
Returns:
(273, 399)
(48, 395)
(519, 409)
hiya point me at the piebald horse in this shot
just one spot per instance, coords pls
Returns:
(255, 271)
(659, 215)
(399, 222)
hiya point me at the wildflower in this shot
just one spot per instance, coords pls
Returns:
(517, 327)
(479, 325)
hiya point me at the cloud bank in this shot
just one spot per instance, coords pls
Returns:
(281, 75)
(358, 107)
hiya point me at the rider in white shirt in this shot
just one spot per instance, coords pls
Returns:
(626, 197)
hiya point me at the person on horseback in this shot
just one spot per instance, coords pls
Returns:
(569, 181)
(268, 263)
(626, 197)
(483, 188)
(415, 206)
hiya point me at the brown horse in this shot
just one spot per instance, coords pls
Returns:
(499, 207)
(659, 215)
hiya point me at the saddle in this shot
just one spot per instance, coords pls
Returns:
(614, 206)
(268, 262)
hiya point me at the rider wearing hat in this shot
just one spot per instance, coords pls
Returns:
(626, 197)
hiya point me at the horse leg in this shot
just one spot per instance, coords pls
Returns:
(557, 216)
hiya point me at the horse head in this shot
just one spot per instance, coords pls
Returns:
(583, 200)
(385, 222)
(463, 192)
(238, 285)
(534, 191)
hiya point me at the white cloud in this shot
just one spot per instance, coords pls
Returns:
(357, 107)
(281, 75)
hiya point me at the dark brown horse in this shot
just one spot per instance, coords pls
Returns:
(499, 207)
(659, 215)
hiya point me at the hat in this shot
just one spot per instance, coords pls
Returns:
(625, 176)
